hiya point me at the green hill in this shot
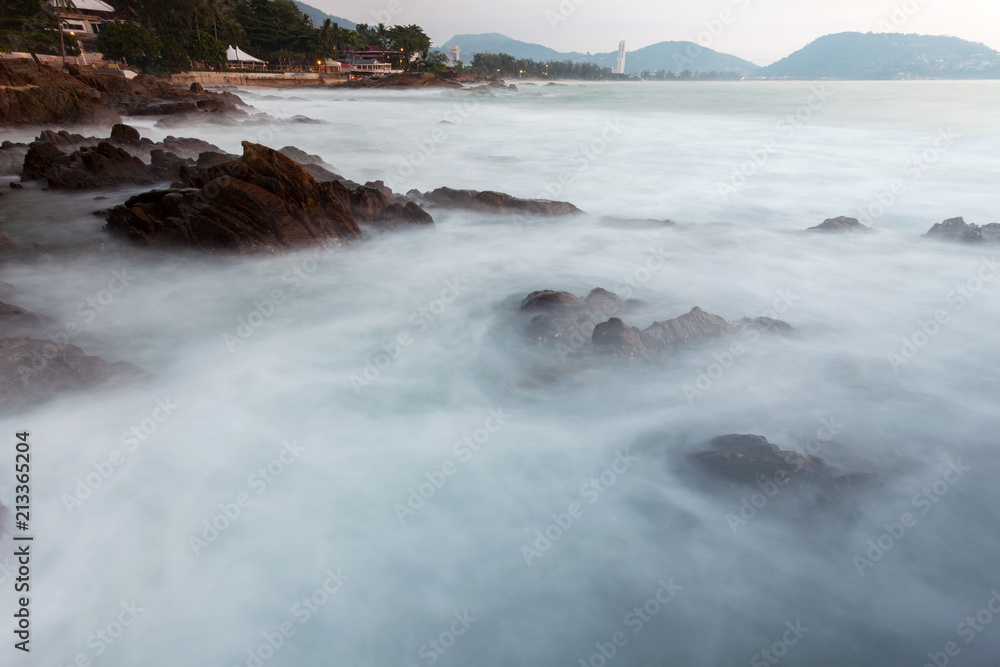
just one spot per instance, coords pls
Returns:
(855, 55)
(318, 16)
(670, 56)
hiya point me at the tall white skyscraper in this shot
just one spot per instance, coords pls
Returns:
(621, 58)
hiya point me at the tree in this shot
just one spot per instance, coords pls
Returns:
(209, 50)
(28, 25)
(135, 44)
(409, 40)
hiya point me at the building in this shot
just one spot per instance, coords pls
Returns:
(239, 59)
(85, 18)
(620, 69)
(455, 55)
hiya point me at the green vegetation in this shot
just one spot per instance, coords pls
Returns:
(507, 66)
(272, 30)
(31, 26)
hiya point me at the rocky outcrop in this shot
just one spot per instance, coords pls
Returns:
(957, 229)
(34, 94)
(34, 369)
(12, 157)
(116, 161)
(839, 225)
(495, 202)
(261, 202)
(594, 326)
(101, 166)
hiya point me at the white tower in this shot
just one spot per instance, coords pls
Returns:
(621, 58)
(456, 54)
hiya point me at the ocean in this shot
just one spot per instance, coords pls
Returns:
(349, 458)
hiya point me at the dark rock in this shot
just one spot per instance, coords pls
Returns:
(551, 301)
(396, 215)
(497, 202)
(64, 139)
(16, 186)
(34, 94)
(187, 147)
(304, 158)
(618, 338)
(768, 325)
(103, 166)
(261, 202)
(957, 229)
(12, 158)
(166, 166)
(750, 459)
(211, 158)
(197, 88)
(16, 322)
(841, 224)
(688, 330)
(38, 160)
(125, 134)
(33, 371)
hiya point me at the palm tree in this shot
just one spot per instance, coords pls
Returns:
(326, 39)
(382, 32)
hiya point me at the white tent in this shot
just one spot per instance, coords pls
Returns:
(238, 55)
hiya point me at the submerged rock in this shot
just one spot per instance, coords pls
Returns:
(751, 460)
(841, 224)
(495, 202)
(594, 327)
(957, 229)
(33, 371)
(260, 202)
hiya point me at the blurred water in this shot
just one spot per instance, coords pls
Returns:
(457, 396)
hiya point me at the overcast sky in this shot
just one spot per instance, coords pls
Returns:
(759, 30)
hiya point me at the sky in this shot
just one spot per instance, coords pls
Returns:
(761, 31)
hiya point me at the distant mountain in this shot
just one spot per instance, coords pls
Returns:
(494, 42)
(855, 55)
(318, 16)
(670, 56)
(676, 57)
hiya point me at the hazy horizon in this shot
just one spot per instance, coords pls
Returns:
(761, 31)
